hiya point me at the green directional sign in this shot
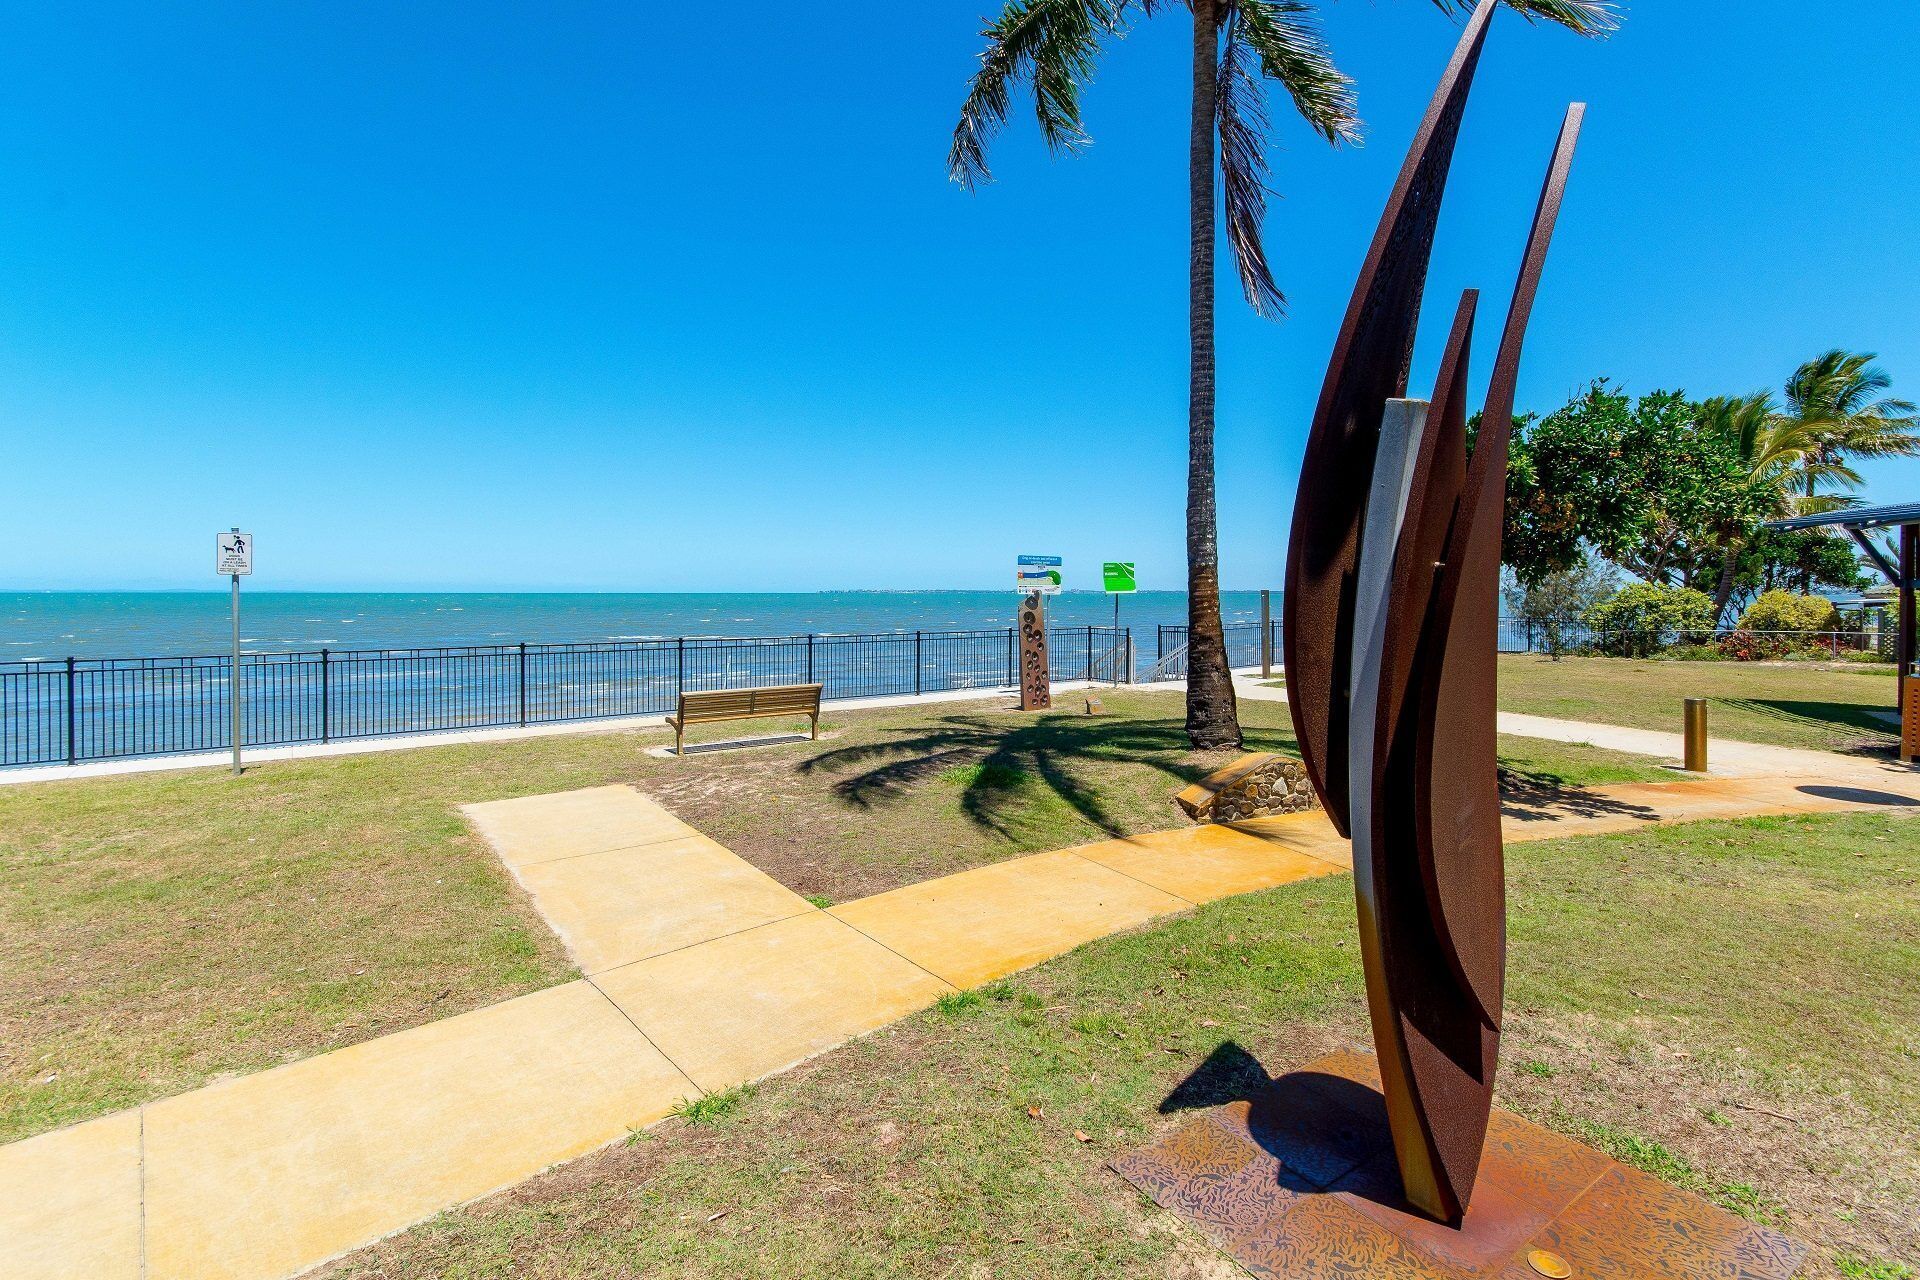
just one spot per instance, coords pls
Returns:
(1119, 576)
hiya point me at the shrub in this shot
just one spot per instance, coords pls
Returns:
(1785, 611)
(1642, 618)
(1780, 624)
(1745, 646)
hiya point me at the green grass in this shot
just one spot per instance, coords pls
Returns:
(157, 931)
(714, 1108)
(1652, 1157)
(1660, 974)
(1826, 708)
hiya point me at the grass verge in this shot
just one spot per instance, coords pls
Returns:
(160, 930)
(1787, 704)
(1674, 992)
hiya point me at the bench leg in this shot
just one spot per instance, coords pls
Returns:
(814, 733)
(679, 739)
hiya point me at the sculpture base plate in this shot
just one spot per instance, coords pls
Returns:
(1300, 1183)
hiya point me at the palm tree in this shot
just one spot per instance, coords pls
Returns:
(1053, 46)
(1778, 455)
(1840, 397)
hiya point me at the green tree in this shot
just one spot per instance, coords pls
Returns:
(1772, 560)
(1053, 46)
(1638, 480)
(1776, 456)
(1841, 398)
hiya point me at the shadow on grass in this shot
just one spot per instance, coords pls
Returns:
(1229, 1074)
(1539, 795)
(1833, 716)
(997, 758)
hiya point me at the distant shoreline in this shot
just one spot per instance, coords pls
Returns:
(40, 625)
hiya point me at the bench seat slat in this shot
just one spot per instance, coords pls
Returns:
(712, 706)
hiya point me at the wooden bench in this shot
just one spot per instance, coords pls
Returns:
(745, 704)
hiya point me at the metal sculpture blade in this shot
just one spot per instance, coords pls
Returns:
(1391, 610)
(1370, 363)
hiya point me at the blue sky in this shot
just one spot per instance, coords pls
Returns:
(613, 296)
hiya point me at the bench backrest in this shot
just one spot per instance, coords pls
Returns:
(774, 700)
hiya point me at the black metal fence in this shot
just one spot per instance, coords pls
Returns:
(1519, 635)
(74, 710)
(1243, 647)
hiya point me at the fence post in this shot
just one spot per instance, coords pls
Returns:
(680, 670)
(809, 658)
(1266, 635)
(325, 725)
(916, 664)
(70, 715)
(1011, 631)
(1089, 675)
(522, 665)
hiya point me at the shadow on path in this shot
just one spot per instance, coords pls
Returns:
(1543, 797)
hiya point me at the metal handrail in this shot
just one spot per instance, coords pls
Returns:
(1164, 669)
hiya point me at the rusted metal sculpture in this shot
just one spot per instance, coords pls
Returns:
(1036, 672)
(1390, 608)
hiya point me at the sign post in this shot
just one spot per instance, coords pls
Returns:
(1120, 579)
(1037, 577)
(233, 556)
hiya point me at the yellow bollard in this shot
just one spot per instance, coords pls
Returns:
(1696, 732)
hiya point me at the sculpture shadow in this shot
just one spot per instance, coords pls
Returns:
(1860, 795)
(1540, 796)
(1228, 1074)
(1324, 1131)
(996, 758)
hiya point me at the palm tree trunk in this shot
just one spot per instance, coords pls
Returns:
(1724, 592)
(1212, 719)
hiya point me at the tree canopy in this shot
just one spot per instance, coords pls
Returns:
(1677, 491)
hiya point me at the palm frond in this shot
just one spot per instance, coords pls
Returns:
(1275, 39)
(1841, 396)
(1052, 44)
(1588, 17)
(1241, 111)
(1291, 49)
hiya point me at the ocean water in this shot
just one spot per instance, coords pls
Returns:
(37, 625)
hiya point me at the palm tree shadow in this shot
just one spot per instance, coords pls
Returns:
(1540, 796)
(997, 760)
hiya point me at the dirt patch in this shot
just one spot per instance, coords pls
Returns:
(1813, 1164)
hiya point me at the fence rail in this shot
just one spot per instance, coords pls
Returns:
(1519, 635)
(84, 709)
(74, 710)
(1243, 647)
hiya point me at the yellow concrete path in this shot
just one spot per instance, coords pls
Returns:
(702, 973)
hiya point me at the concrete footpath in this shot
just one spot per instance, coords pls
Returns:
(700, 973)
